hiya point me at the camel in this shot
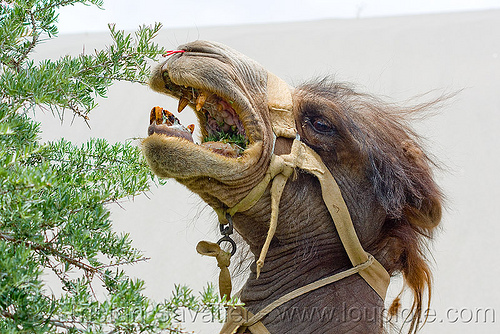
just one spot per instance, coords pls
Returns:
(250, 120)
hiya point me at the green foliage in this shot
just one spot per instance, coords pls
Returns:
(54, 196)
(26, 84)
(231, 138)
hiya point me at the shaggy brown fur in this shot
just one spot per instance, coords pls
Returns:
(376, 138)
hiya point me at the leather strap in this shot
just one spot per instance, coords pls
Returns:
(237, 316)
(375, 275)
(280, 105)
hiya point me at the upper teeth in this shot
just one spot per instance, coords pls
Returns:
(200, 101)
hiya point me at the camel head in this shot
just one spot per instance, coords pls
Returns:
(383, 174)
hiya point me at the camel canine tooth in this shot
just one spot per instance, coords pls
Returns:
(169, 118)
(200, 101)
(183, 102)
(152, 116)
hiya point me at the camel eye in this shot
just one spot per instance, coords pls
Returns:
(321, 126)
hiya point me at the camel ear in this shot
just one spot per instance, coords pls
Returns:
(423, 207)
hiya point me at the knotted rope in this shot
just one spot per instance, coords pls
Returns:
(223, 262)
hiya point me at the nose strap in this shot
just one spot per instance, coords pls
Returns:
(280, 104)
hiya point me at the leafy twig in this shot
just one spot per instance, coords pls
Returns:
(31, 45)
(48, 249)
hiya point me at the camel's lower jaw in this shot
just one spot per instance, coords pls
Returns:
(189, 163)
(171, 151)
(170, 131)
(224, 149)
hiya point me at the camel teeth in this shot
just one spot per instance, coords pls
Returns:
(183, 102)
(152, 116)
(158, 115)
(200, 101)
(167, 113)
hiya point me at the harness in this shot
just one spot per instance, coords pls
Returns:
(280, 103)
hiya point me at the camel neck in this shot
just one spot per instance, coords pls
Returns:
(305, 248)
(349, 305)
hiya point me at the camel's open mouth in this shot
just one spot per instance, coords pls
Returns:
(222, 130)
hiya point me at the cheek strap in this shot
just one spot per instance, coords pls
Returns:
(280, 169)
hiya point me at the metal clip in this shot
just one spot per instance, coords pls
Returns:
(226, 238)
(227, 230)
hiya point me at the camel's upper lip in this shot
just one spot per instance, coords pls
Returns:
(222, 120)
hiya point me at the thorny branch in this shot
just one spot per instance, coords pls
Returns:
(49, 250)
(35, 35)
(53, 322)
(89, 270)
(117, 78)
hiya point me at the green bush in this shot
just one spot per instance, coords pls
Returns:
(54, 195)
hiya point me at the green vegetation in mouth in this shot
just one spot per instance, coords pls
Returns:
(230, 138)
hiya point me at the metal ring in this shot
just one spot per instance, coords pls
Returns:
(226, 238)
